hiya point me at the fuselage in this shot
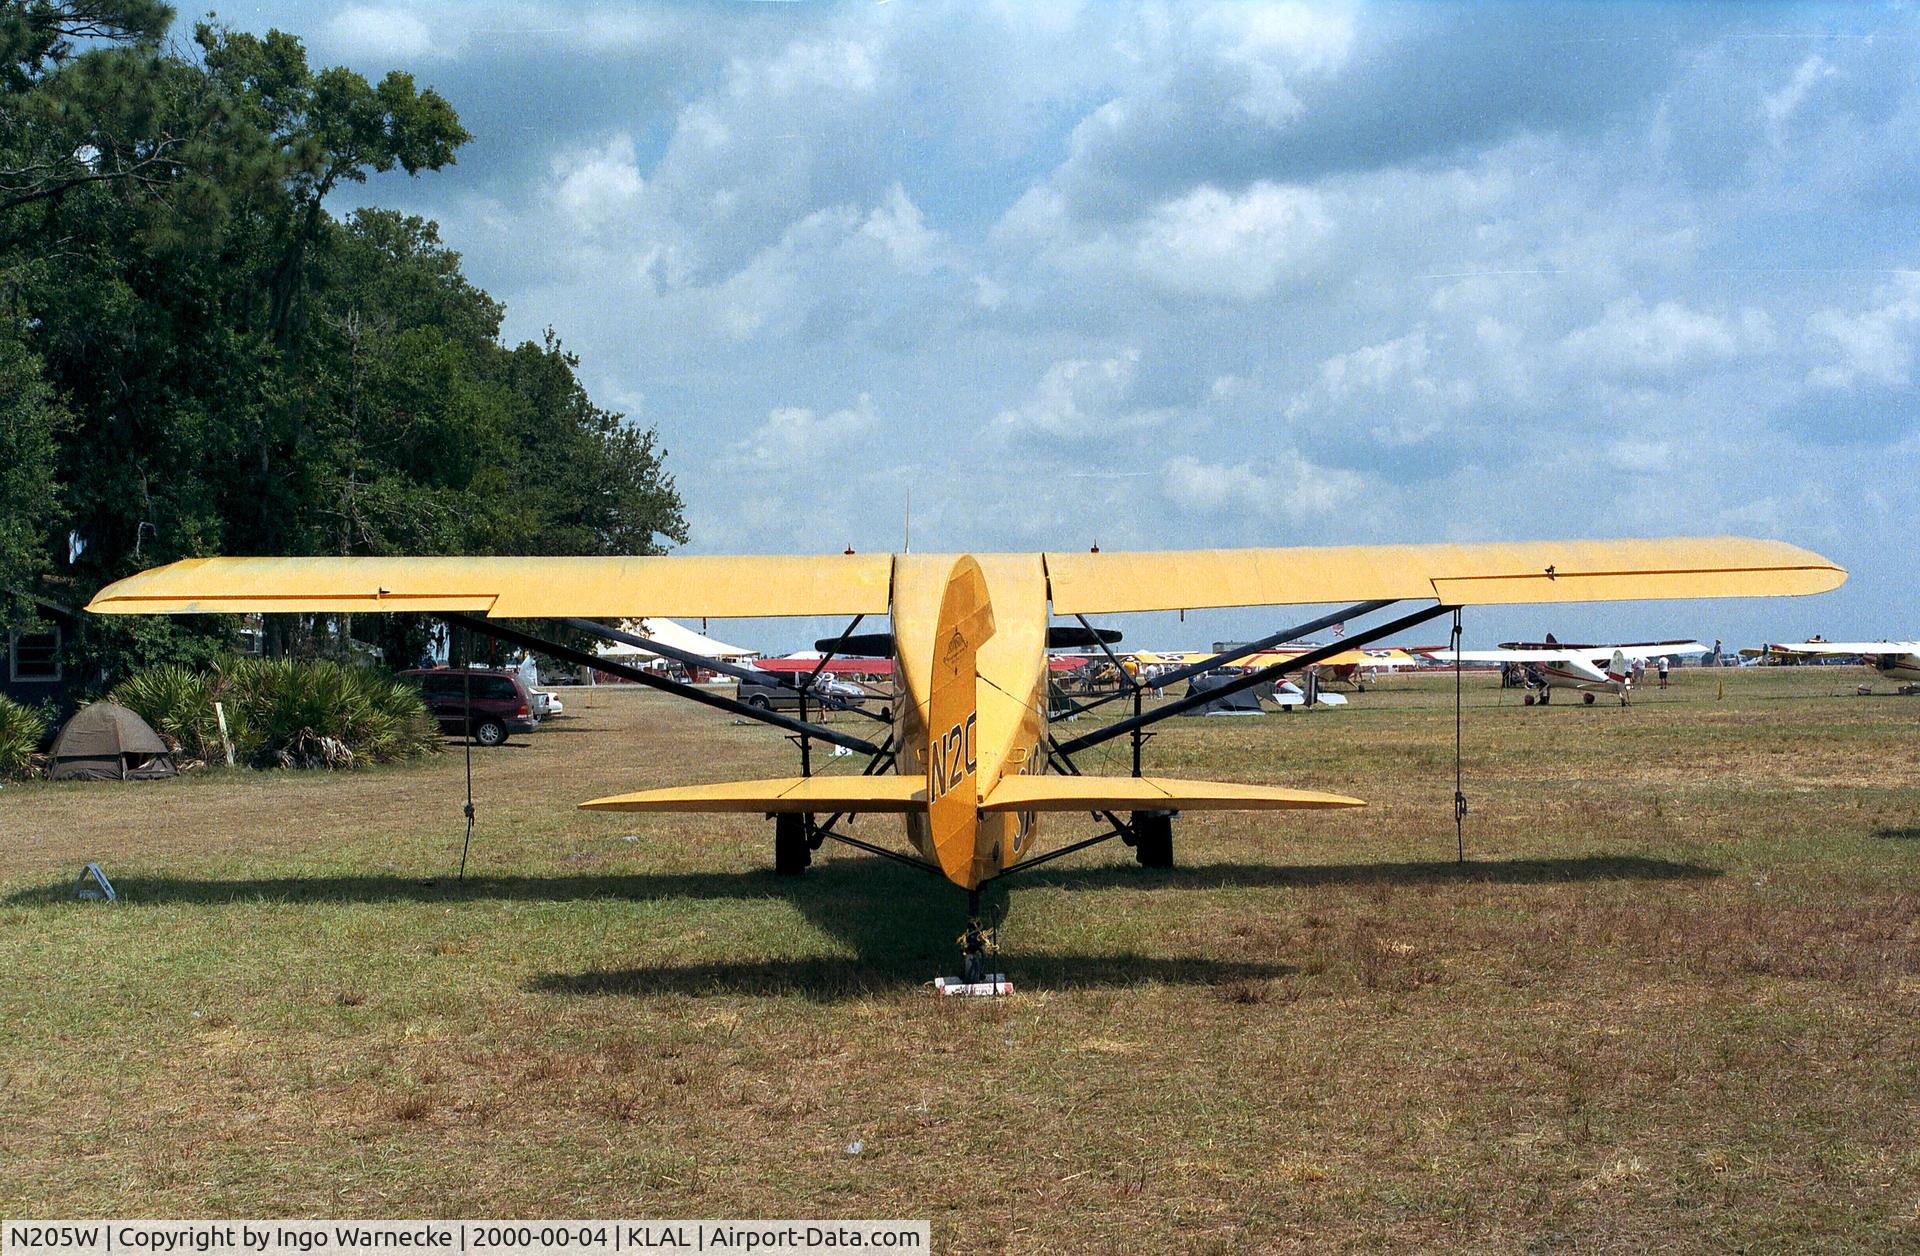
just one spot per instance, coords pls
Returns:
(1585, 676)
(1896, 666)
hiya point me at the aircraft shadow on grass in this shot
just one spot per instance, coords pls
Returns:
(898, 925)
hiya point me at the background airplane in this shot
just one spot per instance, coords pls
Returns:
(1590, 669)
(1896, 660)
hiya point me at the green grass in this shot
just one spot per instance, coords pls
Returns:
(1669, 1002)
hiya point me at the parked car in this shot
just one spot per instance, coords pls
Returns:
(475, 702)
(774, 697)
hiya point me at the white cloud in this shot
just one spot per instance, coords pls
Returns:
(1632, 337)
(901, 229)
(1206, 243)
(597, 187)
(1215, 243)
(1874, 346)
(1075, 396)
(1783, 104)
(797, 436)
(367, 32)
(1283, 486)
(1373, 368)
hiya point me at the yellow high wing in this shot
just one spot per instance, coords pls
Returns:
(1459, 575)
(1083, 584)
(513, 588)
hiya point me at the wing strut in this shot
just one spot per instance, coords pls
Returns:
(752, 675)
(1263, 676)
(641, 676)
(1249, 647)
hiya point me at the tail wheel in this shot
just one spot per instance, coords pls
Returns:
(1153, 838)
(791, 854)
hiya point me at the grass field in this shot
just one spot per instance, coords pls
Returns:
(1670, 1002)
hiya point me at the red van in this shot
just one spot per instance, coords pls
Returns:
(475, 702)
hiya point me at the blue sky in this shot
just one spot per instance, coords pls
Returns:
(1159, 276)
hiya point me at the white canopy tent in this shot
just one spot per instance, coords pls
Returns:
(667, 632)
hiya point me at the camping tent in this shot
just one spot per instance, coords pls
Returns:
(669, 633)
(1244, 702)
(105, 742)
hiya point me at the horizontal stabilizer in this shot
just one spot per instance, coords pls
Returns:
(1150, 793)
(782, 793)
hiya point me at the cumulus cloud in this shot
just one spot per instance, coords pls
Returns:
(1075, 397)
(596, 187)
(800, 437)
(1205, 243)
(1872, 346)
(899, 227)
(1283, 485)
(370, 32)
(1632, 337)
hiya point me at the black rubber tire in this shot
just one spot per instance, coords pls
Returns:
(1153, 839)
(1587, 698)
(489, 733)
(791, 854)
(759, 702)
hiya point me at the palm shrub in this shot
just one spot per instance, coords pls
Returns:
(21, 728)
(316, 713)
(178, 702)
(285, 712)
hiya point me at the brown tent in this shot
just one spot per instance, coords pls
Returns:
(105, 742)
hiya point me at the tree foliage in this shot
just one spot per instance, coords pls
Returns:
(199, 355)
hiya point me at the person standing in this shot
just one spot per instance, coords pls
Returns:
(1663, 671)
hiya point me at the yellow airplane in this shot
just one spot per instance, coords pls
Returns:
(974, 765)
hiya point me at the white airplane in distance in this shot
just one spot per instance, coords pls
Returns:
(1591, 669)
(1896, 660)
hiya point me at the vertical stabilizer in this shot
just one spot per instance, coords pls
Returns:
(953, 794)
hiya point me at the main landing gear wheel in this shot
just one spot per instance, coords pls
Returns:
(1153, 838)
(791, 851)
(1587, 698)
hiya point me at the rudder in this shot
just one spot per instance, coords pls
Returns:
(953, 795)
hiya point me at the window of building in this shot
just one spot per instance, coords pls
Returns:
(34, 656)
